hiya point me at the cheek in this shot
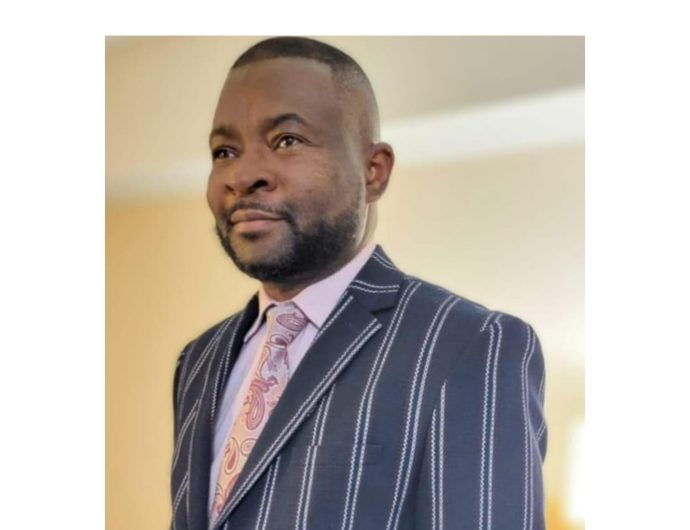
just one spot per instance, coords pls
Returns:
(320, 200)
(329, 184)
(310, 186)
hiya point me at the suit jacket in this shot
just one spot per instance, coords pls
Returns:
(413, 408)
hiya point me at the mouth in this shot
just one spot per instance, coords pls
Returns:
(248, 220)
(248, 215)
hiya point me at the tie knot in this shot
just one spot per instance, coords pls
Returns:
(286, 320)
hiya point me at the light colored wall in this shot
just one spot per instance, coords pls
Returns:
(507, 232)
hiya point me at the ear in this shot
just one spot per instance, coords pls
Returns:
(380, 165)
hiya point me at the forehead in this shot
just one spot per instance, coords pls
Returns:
(276, 86)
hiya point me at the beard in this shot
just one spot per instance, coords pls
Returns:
(303, 251)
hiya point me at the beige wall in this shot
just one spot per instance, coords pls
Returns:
(507, 232)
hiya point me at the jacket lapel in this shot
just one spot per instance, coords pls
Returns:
(214, 378)
(351, 324)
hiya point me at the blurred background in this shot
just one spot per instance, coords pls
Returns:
(486, 199)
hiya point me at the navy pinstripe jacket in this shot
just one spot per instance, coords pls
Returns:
(414, 408)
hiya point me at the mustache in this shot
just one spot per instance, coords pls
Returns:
(283, 212)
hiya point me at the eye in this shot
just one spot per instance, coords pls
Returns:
(222, 152)
(287, 141)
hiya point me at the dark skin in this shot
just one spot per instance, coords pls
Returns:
(288, 138)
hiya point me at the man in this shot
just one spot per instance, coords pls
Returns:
(346, 394)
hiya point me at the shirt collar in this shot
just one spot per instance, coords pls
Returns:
(318, 299)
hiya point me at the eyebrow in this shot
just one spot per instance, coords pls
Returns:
(268, 124)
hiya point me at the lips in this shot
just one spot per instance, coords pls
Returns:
(248, 221)
(243, 216)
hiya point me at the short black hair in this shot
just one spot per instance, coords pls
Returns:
(346, 71)
(304, 48)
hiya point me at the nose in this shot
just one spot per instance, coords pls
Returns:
(247, 174)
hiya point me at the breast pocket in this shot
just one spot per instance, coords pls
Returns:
(334, 455)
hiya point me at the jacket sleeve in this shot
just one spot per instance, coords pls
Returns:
(483, 455)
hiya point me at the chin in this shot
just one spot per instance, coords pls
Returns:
(258, 257)
(248, 262)
(258, 248)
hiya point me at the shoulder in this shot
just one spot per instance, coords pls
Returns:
(426, 296)
(468, 326)
(195, 347)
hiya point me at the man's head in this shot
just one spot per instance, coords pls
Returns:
(296, 161)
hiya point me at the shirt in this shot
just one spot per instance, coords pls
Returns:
(316, 301)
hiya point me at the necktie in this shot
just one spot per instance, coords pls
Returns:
(271, 374)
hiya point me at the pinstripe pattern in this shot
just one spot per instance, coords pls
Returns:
(488, 319)
(417, 392)
(209, 350)
(267, 500)
(222, 373)
(356, 283)
(373, 288)
(308, 475)
(441, 453)
(383, 262)
(359, 444)
(190, 454)
(178, 497)
(525, 418)
(183, 431)
(434, 463)
(262, 509)
(300, 519)
(492, 428)
(541, 385)
(319, 441)
(529, 482)
(368, 290)
(414, 408)
(381, 257)
(488, 397)
(542, 427)
(182, 367)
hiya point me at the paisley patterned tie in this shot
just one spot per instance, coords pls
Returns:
(284, 323)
